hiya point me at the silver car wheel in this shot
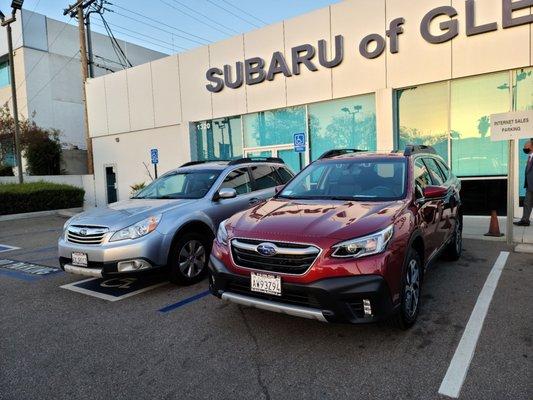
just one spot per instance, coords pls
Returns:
(412, 288)
(192, 258)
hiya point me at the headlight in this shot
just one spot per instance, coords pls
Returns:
(364, 246)
(222, 233)
(67, 223)
(137, 230)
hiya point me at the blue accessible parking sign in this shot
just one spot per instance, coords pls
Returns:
(154, 153)
(299, 142)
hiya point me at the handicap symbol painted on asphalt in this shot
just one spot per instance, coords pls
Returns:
(114, 289)
(25, 270)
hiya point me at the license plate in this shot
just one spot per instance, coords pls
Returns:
(79, 259)
(265, 283)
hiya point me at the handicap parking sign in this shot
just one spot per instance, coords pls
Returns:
(299, 142)
(154, 153)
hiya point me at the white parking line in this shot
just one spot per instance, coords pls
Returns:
(5, 247)
(456, 374)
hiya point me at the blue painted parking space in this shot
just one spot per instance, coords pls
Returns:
(24, 270)
(183, 302)
(5, 247)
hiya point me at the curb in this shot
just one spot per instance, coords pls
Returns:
(67, 212)
(524, 248)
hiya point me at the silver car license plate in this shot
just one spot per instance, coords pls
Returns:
(79, 259)
(265, 283)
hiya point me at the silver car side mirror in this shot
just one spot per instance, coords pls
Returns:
(226, 193)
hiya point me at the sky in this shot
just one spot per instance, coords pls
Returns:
(172, 26)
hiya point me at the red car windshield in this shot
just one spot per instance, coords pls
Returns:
(364, 179)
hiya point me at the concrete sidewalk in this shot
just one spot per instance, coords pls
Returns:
(476, 226)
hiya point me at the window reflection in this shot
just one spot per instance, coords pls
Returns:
(4, 74)
(473, 100)
(341, 124)
(219, 139)
(275, 127)
(523, 100)
(423, 116)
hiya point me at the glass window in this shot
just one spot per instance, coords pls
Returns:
(264, 177)
(284, 175)
(436, 174)
(274, 127)
(239, 180)
(291, 158)
(423, 116)
(473, 100)
(180, 185)
(366, 180)
(219, 139)
(523, 100)
(422, 178)
(4, 74)
(445, 170)
(341, 124)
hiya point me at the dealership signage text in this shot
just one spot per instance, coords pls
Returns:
(256, 70)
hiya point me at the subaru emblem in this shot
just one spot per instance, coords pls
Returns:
(83, 232)
(266, 249)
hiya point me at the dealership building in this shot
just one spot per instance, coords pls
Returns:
(365, 74)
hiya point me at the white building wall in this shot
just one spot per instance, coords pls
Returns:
(180, 97)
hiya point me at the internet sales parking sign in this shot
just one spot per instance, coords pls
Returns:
(512, 125)
(299, 142)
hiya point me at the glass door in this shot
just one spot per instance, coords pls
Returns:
(292, 159)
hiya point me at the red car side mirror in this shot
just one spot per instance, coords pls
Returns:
(434, 192)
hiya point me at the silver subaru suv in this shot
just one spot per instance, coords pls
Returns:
(169, 224)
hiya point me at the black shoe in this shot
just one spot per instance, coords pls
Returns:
(521, 223)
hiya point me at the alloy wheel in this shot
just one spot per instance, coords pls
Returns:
(192, 258)
(412, 288)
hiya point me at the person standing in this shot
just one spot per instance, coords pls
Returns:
(528, 184)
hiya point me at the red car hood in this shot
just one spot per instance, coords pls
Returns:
(292, 220)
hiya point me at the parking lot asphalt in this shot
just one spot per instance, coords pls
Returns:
(62, 344)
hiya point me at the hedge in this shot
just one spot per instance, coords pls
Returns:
(38, 196)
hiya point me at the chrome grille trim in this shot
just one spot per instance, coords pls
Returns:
(81, 234)
(307, 251)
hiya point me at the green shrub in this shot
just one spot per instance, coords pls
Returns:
(38, 196)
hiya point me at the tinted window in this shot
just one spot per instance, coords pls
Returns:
(264, 177)
(435, 172)
(365, 180)
(284, 175)
(422, 177)
(238, 180)
(444, 168)
(180, 185)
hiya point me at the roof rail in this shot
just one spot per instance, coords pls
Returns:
(246, 160)
(191, 163)
(339, 152)
(411, 149)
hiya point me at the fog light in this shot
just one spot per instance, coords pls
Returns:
(367, 307)
(133, 265)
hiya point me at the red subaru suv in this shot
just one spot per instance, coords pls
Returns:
(347, 240)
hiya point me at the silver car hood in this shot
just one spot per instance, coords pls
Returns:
(127, 212)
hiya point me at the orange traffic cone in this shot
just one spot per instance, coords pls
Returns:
(494, 227)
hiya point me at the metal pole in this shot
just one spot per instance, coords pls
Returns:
(510, 192)
(155, 171)
(15, 104)
(84, 75)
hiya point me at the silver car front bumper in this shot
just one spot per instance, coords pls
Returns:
(94, 272)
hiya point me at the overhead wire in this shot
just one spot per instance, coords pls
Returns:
(245, 12)
(25, 24)
(116, 46)
(207, 17)
(234, 14)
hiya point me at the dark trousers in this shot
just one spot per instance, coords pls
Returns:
(528, 205)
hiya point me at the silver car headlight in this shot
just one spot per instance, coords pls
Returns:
(364, 246)
(137, 230)
(222, 233)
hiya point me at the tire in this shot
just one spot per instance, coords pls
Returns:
(188, 259)
(411, 289)
(453, 251)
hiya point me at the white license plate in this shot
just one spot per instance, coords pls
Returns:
(265, 283)
(79, 259)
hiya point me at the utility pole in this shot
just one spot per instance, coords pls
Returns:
(16, 5)
(78, 10)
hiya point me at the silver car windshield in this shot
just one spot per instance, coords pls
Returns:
(180, 185)
(365, 180)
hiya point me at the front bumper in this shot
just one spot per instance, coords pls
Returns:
(103, 259)
(339, 299)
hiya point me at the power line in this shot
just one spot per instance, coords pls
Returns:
(234, 14)
(114, 43)
(207, 17)
(245, 12)
(27, 22)
(161, 23)
(170, 47)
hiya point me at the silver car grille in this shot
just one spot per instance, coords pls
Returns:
(86, 234)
